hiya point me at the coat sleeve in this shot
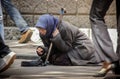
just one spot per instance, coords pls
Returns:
(61, 44)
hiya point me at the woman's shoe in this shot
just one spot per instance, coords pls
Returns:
(103, 71)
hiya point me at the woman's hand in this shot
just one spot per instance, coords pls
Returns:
(55, 32)
(40, 51)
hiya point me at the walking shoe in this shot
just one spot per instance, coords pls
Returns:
(104, 70)
(6, 62)
(2, 64)
(101, 73)
(25, 37)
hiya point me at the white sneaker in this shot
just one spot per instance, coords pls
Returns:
(2, 63)
(7, 61)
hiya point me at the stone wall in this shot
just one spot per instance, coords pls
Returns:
(77, 11)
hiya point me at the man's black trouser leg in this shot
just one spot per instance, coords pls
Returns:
(4, 49)
(118, 27)
(117, 68)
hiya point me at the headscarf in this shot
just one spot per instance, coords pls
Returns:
(47, 22)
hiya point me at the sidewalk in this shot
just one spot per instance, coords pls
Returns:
(27, 52)
(23, 51)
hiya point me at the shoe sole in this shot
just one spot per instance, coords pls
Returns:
(27, 38)
(8, 64)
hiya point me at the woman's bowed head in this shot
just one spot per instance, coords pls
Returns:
(47, 25)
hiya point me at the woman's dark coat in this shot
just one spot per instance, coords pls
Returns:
(72, 43)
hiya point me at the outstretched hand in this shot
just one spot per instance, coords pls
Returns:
(40, 51)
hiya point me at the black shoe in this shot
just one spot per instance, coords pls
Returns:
(37, 62)
(116, 69)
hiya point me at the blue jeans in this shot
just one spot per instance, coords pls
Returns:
(1, 22)
(15, 15)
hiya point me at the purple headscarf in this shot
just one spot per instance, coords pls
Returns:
(47, 22)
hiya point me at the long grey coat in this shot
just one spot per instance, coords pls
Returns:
(73, 43)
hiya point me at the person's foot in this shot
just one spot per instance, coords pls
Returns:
(7, 61)
(104, 71)
(25, 37)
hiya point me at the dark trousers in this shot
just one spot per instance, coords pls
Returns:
(4, 49)
(101, 38)
(60, 59)
(118, 28)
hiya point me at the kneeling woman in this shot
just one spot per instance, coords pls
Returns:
(70, 45)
